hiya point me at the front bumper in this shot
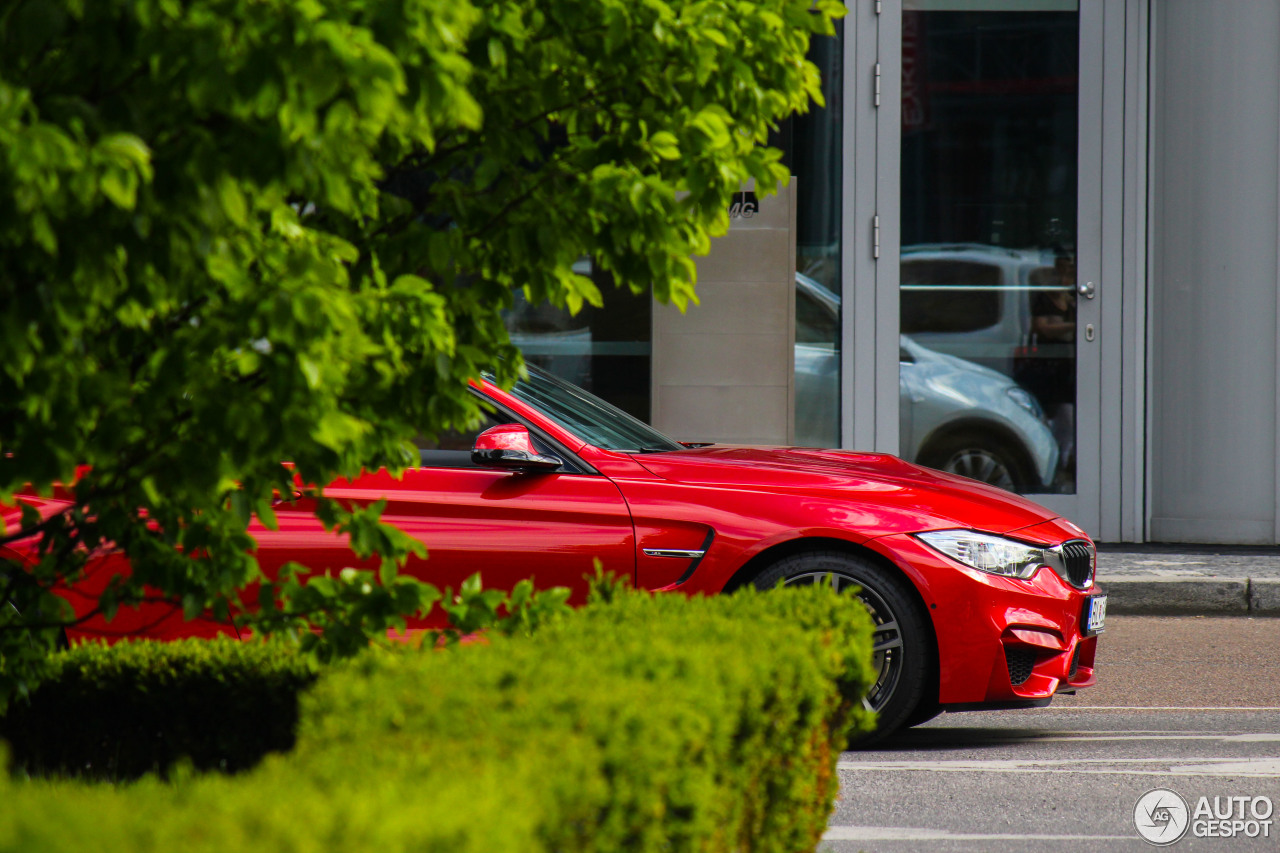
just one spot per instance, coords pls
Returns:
(1001, 641)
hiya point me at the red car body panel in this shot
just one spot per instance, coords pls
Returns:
(741, 505)
(507, 526)
(156, 618)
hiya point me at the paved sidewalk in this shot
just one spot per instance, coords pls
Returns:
(1190, 579)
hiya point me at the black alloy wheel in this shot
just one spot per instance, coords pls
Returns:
(902, 648)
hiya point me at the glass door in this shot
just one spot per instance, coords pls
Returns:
(995, 239)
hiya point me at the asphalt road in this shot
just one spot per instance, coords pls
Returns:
(1190, 704)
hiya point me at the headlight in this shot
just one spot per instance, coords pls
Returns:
(986, 553)
(1026, 400)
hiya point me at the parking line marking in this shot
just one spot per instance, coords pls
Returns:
(1170, 766)
(898, 833)
(1058, 708)
(1086, 737)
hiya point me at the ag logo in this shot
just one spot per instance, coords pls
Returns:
(1161, 816)
(744, 204)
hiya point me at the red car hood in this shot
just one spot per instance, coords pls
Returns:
(932, 499)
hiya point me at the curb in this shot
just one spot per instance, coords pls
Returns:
(1192, 595)
(1264, 596)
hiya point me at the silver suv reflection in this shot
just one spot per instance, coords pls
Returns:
(955, 415)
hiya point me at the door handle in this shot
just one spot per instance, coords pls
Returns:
(1087, 290)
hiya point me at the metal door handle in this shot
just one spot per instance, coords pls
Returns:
(1087, 290)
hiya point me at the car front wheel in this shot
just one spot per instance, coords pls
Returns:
(902, 650)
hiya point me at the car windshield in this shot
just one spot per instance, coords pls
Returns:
(589, 417)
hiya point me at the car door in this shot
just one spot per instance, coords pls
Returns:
(552, 527)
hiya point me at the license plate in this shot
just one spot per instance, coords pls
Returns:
(1095, 614)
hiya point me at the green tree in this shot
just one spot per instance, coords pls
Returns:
(234, 232)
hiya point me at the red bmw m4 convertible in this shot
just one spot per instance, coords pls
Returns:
(981, 598)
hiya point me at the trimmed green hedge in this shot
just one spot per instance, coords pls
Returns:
(117, 712)
(648, 723)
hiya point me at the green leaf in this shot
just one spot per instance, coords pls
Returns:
(128, 148)
(497, 53)
(233, 202)
(267, 514)
(120, 187)
(664, 145)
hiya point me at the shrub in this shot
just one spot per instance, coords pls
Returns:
(647, 723)
(117, 712)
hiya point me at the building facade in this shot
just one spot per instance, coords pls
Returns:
(1034, 241)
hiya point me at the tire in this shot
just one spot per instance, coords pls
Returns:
(903, 652)
(980, 457)
(923, 713)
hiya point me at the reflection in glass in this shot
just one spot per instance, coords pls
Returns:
(971, 420)
(589, 417)
(817, 364)
(811, 145)
(987, 270)
(606, 350)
